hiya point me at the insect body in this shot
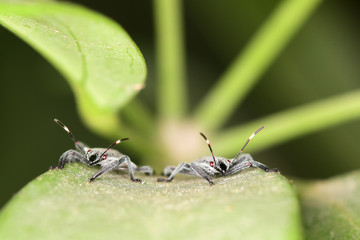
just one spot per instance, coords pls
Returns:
(109, 159)
(208, 167)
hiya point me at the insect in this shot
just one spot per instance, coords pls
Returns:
(109, 159)
(208, 167)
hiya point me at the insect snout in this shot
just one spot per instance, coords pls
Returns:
(223, 166)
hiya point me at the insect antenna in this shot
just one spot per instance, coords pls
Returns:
(208, 143)
(249, 139)
(70, 134)
(112, 145)
(252, 135)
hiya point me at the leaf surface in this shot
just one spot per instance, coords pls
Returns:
(61, 204)
(331, 208)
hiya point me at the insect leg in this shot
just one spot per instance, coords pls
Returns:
(126, 159)
(111, 165)
(237, 167)
(181, 168)
(249, 159)
(145, 169)
(201, 173)
(106, 168)
(263, 167)
(170, 169)
(68, 157)
(245, 161)
(239, 163)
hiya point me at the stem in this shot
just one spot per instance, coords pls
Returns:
(248, 67)
(290, 124)
(108, 124)
(170, 59)
(139, 117)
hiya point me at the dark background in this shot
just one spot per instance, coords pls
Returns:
(321, 61)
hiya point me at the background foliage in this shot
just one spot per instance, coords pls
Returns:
(310, 87)
(320, 62)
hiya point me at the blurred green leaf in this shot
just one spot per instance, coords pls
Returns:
(62, 204)
(331, 208)
(248, 66)
(98, 58)
(292, 123)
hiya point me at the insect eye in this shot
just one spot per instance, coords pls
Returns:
(211, 164)
(104, 157)
(228, 161)
(88, 150)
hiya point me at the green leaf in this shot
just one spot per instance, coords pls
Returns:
(98, 58)
(62, 204)
(331, 208)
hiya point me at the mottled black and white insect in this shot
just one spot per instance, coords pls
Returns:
(109, 159)
(208, 167)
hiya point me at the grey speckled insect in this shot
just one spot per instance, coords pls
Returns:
(107, 158)
(208, 167)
